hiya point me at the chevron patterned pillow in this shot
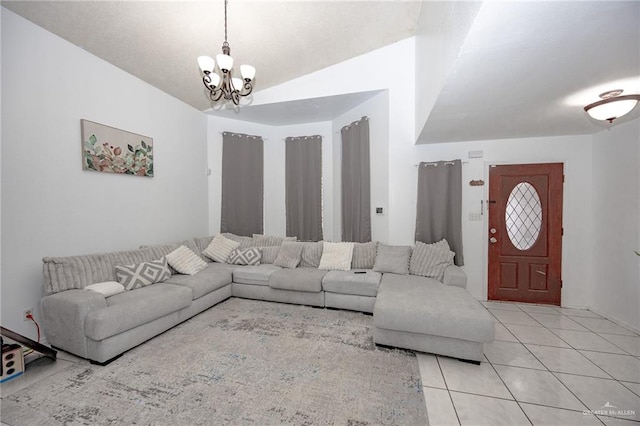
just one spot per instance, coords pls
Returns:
(250, 256)
(143, 274)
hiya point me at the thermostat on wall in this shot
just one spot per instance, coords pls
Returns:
(379, 210)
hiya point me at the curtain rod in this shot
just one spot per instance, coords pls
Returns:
(244, 134)
(435, 164)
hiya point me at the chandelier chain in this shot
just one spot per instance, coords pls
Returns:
(225, 21)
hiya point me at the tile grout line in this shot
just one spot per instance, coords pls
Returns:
(509, 390)
(444, 379)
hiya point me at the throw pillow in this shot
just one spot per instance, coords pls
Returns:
(220, 248)
(393, 259)
(311, 254)
(269, 254)
(336, 256)
(185, 261)
(250, 256)
(143, 274)
(364, 255)
(107, 288)
(430, 260)
(289, 255)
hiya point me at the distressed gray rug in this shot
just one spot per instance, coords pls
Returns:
(241, 362)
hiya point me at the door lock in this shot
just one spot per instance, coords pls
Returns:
(493, 240)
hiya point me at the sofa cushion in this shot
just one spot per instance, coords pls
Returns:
(244, 242)
(133, 308)
(250, 256)
(425, 306)
(142, 274)
(364, 255)
(260, 240)
(336, 256)
(185, 261)
(311, 254)
(220, 248)
(289, 255)
(204, 282)
(269, 254)
(352, 282)
(299, 279)
(392, 259)
(257, 275)
(430, 260)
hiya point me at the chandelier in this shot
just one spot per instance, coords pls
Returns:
(227, 87)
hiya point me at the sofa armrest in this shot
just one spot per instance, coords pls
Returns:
(64, 315)
(454, 275)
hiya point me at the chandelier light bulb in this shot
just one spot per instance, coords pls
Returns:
(206, 63)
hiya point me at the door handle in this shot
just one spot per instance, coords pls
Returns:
(493, 240)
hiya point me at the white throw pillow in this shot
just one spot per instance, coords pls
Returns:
(185, 261)
(107, 288)
(336, 256)
(220, 248)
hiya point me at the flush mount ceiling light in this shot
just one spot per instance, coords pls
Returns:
(227, 87)
(612, 105)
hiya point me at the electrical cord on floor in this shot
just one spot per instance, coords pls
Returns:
(30, 351)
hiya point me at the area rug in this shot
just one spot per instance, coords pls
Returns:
(242, 362)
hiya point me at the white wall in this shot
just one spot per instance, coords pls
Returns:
(573, 151)
(616, 223)
(440, 34)
(274, 170)
(50, 206)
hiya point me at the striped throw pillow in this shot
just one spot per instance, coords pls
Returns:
(336, 256)
(185, 261)
(364, 255)
(220, 248)
(430, 260)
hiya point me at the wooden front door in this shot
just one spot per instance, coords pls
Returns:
(525, 233)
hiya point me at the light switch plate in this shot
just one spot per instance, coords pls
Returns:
(475, 217)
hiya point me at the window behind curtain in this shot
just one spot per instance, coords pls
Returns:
(439, 210)
(304, 187)
(356, 182)
(242, 184)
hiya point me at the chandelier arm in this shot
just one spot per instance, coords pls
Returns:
(248, 87)
(215, 95)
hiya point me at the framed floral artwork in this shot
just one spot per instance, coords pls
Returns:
(110, 150)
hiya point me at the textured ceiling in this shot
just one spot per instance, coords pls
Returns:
(159, 41)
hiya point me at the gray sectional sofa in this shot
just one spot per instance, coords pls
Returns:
(411, 312)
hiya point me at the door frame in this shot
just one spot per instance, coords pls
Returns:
(485, 220)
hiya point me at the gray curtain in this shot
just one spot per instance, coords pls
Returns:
(304, 187)
(242, 184)
(356, 182)
(439, 211)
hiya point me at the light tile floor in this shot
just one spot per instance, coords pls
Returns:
(547, 366)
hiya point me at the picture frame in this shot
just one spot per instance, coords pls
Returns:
(110, 150)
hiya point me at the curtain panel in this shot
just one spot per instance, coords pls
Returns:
(439, 210)
(356, 182)
(303, 170)
(242, 184)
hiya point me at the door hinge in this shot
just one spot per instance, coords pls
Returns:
(560, 283)
(562, 232)
(562, 178)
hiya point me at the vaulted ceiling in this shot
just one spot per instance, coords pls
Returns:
(524, 69)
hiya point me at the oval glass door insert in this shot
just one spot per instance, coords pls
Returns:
(523, 216)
